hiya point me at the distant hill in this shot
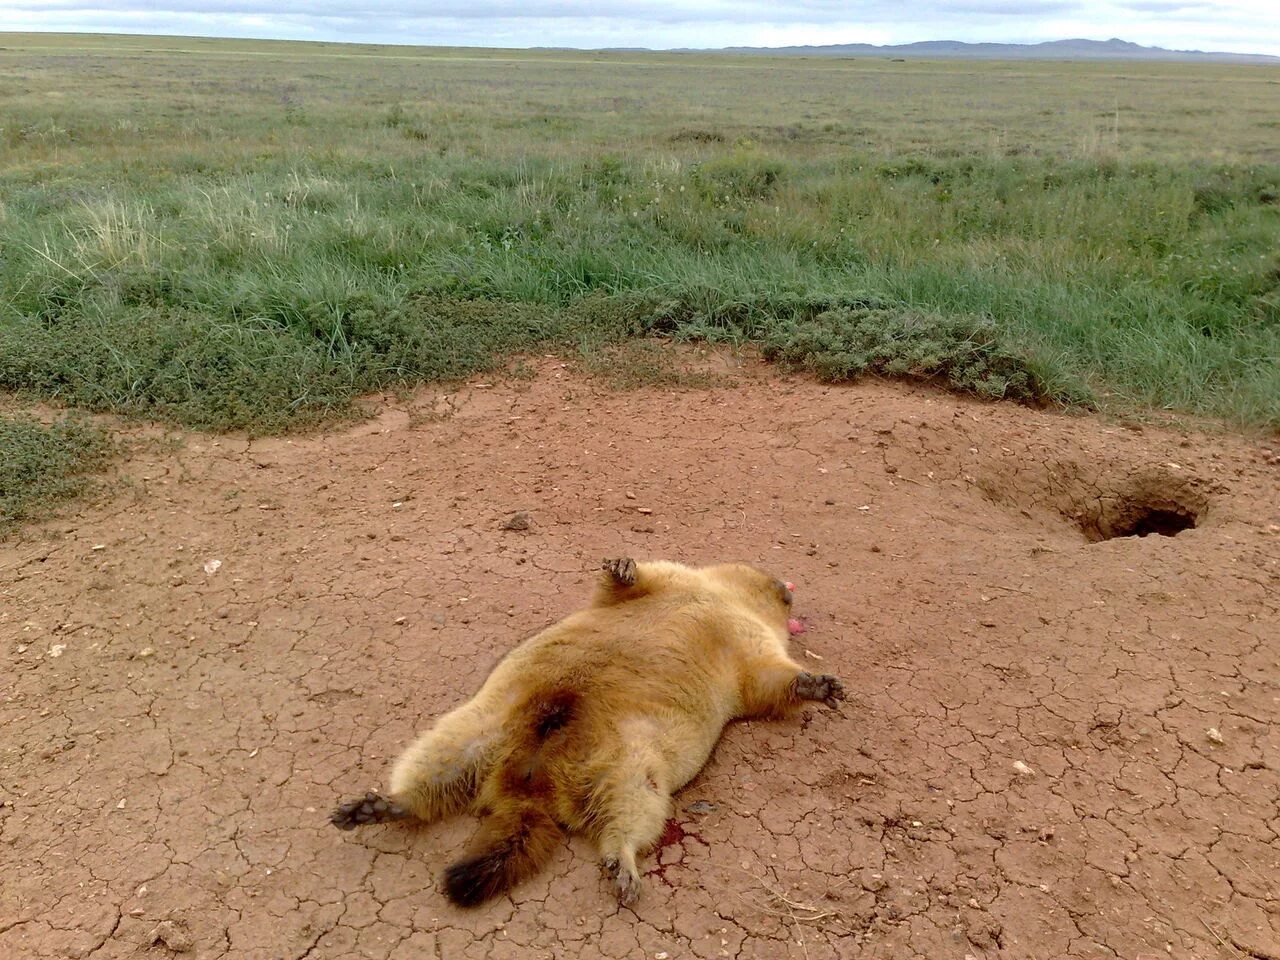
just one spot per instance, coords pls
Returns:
(1050, 50)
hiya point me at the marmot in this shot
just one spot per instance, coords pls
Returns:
(592, 724)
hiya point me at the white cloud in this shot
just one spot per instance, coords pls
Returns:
(1240, 25)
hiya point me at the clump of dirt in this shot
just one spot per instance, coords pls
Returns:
(1054, 746)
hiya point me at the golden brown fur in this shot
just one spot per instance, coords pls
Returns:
(592, 724)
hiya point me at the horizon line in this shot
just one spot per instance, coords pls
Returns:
(637, 49)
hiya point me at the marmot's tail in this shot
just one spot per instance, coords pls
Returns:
(513, 844)
(519, 834)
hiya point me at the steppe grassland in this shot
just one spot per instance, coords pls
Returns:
(235, 234)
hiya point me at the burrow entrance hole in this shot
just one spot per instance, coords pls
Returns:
(1141, 514)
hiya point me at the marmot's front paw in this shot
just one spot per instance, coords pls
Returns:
(825, 688)
(623, 571)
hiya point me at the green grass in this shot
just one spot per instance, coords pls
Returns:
(44, 464)
(247, 235)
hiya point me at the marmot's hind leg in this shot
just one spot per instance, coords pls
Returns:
(371, 808)
(631, 812)
(439, 773)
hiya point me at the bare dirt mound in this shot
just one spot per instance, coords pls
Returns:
(1062, 737)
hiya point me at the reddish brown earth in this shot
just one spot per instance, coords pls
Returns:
(1053, 747)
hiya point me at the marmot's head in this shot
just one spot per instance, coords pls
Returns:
(764, 594)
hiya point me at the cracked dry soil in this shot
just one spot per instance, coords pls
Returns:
(1056, 744)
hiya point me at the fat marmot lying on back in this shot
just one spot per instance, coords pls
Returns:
(592, 724)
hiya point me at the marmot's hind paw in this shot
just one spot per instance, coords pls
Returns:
(626, 884)
(622, 570)
(371, 808)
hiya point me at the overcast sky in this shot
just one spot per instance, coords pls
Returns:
(1251, 26)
